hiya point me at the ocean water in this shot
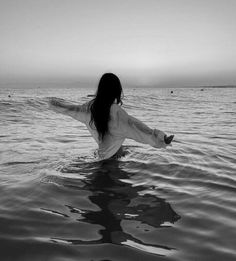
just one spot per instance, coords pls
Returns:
(58, 202)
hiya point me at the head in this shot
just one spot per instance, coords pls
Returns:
(108, 92)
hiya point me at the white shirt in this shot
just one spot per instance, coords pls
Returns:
(121, 126)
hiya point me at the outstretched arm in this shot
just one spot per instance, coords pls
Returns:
(142, 133)
(77, 112)
(138, 131)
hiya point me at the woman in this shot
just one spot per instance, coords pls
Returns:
(108, 123)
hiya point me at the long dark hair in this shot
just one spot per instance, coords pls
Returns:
(109, 90)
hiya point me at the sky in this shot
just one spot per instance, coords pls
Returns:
(144, 42)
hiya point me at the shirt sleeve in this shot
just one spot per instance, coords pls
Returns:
(77, 112)
(134, 129)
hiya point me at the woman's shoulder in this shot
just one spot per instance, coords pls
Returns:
(115, 106)
(117, 110)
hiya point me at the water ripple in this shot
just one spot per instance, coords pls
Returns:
(60, 203)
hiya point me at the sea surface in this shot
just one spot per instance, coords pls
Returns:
(59, 203)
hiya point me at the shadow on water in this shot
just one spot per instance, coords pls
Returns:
(120, 201)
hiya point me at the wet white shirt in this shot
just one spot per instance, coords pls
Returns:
(121, 126)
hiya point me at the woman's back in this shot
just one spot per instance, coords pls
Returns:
(107, 122)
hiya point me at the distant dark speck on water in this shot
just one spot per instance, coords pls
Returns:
(202, 89)
(9, 96)
(171, 92)
(90, 95)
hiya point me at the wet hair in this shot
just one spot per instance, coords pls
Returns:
(109, 91)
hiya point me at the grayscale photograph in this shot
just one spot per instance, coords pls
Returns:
(117, 130)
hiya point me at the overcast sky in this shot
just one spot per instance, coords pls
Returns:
(159, 42)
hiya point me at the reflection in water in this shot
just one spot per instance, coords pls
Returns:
(119, 200)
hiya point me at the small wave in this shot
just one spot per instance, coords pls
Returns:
(153, 249)
(20, 163)
(5, 103)
(54, 212)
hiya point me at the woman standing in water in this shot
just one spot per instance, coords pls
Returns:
(108, 123)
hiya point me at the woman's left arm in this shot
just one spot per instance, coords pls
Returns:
(136, 130)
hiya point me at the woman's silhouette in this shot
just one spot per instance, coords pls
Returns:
(108, 123)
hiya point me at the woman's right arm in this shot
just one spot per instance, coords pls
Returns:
(77, 112)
